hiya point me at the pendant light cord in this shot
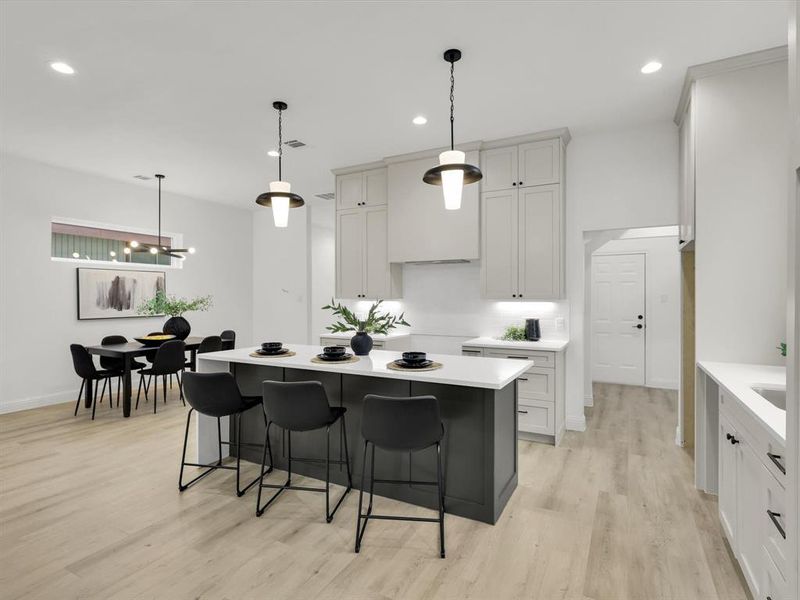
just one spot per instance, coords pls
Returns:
(452, 97)
(280, 144)
(159, 214)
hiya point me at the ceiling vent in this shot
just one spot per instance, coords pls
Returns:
(294, 143)
(142, 177)
(326, 196)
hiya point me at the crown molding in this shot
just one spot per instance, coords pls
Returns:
(725, 65)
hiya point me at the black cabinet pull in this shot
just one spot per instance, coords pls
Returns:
(640, 317)
(774, 518)
(775, 458)
(522, 379)
(728, 436)
(734, 440)
(514, 183)
(520, 183)
(639, 326)
(523, 412)
(519, 357)
(520, 295)
(513, 295)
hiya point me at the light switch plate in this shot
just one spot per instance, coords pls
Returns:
(559, 323)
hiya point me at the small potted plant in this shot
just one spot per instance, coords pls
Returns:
(177, 325)
(374, 322)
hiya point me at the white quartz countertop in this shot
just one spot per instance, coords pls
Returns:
(468, 371)
(392, 335)
(546, 345)
(739, 379)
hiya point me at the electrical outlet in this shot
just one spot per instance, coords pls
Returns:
(560, 324)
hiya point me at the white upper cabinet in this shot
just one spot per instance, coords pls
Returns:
(523, 165)
(539, 163)
(500, 249)
(420, 227)
(499, 167)
(362, 265)
(349, 190)
(540, 242)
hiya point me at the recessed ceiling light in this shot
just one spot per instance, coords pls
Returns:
(273, 153)
(62, 68)
(651, 67)
(419, 120)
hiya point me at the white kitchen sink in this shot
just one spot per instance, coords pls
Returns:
(774, 395)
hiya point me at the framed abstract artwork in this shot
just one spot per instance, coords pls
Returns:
(115, 293)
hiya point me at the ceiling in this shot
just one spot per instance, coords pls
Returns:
(185, 88)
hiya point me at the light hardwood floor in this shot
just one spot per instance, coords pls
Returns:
(91, 510)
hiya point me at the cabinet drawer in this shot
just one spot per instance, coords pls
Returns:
(775, 503)
(535, 416)
(540, 359)
(773, 585)
(471, 352)
(323, 341)
(537, 384)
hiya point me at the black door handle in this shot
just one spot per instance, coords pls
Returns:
(774, 518)
(776, 459)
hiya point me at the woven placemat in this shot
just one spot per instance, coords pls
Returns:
(319, 361)
(395, 367)
(257, 355)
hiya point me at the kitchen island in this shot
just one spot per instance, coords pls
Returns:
(478, 400)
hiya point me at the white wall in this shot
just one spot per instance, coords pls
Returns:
(620, 179)
(741, 208)
(37, 307)
(662, 305)
(280, 277)
(322, 269)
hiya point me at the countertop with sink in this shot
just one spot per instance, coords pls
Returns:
(742, 381)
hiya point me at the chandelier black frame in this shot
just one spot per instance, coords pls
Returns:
(160, 248)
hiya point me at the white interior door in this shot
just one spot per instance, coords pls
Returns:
(618, 318)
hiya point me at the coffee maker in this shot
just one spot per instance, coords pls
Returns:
(532, 330)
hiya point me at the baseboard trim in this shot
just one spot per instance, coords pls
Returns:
(576, 422)
(588, 400)
(663, 384)
(678, 439)
(19, 404)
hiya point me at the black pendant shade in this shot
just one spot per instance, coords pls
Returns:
(160, 248)
(265, 199)
(472, 173)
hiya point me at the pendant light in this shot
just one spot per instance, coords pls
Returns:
(452, 172)
(159, 248)
(280, 196)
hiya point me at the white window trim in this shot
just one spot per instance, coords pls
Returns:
(177, 240)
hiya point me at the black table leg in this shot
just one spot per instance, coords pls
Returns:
(193, 359)
(126, 395)
(88, 393)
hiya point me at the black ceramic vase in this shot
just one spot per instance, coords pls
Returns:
(178, 326)
(361, 343)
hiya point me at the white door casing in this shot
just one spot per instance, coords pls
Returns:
(618, 318)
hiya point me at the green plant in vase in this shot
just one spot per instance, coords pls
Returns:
(373, 322)
(514, 333)
(177, 325)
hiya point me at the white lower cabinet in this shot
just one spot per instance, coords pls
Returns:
(752, 500)
(541, 404)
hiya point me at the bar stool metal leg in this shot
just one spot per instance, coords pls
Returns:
(440, 490)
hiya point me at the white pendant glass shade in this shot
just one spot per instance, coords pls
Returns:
(452, 181)
(280, 205)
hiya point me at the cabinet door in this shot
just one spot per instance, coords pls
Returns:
(539, 163)
(499, 167)
(499, 233)
(686, 164)
(750, 513)
(349, 253)
(349, 190)
(375, 187)
(376, 258)
(727, 481)
(539, 242)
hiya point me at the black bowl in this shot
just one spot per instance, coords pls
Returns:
(414, 357)
(334, 351)
(152, 343)
(271, 346)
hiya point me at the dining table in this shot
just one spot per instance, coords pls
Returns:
(127, 352)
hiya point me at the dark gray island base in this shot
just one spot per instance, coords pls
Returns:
(479, 449)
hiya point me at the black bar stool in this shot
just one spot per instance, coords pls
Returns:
(217, 395)
(228, 339)
(400, 425)
(302, 406)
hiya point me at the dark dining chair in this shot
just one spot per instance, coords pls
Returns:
(85, 369)
(216, 395)
(407, 424)
(170, 359)
(113, 363)
(211, 343)
(302, 406)
(228, 339)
